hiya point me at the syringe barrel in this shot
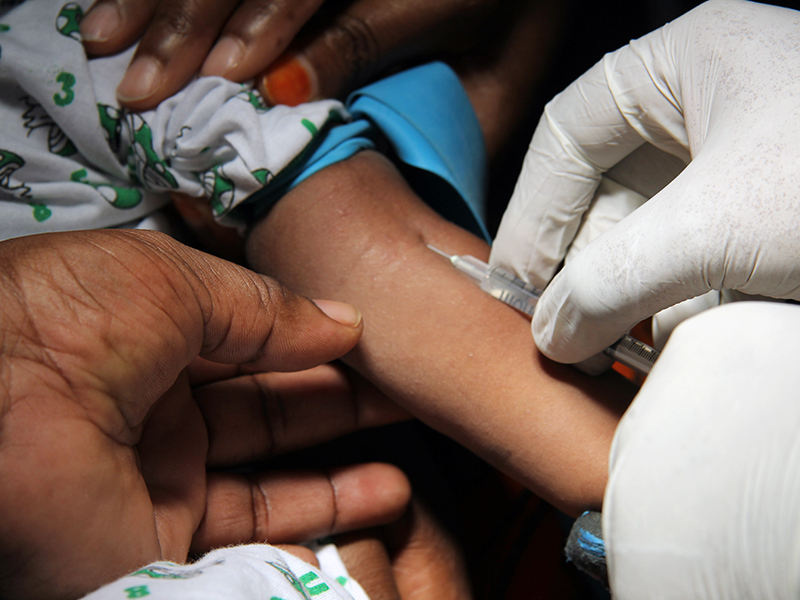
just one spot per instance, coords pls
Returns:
(520, 295)
(499, 283)
(631, 352)
(511, 290)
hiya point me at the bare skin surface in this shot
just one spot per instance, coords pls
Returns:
(456, 358)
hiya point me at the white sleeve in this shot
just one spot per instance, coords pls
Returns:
(331, 563)
(72, 158)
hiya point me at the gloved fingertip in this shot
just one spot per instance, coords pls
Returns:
(542, 331)
(290, 80)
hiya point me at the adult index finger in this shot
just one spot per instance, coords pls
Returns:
(255, 35)
(254, 417)
(295, 506)
(346, 48)
(174, 45)
(110, 26)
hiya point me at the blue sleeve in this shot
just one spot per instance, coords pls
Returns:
(426, 119)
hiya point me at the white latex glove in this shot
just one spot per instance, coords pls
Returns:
(717, 89)
(703, 498)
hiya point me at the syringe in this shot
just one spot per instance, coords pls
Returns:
(523, 296)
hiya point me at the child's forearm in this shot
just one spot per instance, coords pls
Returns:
(455, 357)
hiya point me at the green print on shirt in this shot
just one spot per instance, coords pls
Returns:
(144, 165)
(158, 572)
(4, 27)
(68, 21)
(296, 584)
(173, 571)
(111, 122)
(117, 196)
(317, 589)
(140, 591)
(254, 98)
(262, 175)
(36, 117)
(9, 163)
(67, 94)
(310, 126)
(40, 212)
(220, 189)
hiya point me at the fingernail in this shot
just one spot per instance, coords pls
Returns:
(140, 80)
(344, 313)
(100, 23)
(290, 80)
(225, 56)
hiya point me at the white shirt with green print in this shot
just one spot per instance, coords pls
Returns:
(71, 158)
(253, 572)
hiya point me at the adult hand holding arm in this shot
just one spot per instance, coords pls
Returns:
(239, 40)
(714, 89)
(103, 449)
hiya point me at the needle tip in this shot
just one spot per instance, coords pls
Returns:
(438, 251)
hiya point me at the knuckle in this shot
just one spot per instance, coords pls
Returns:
(335, 502)
(273, 413)
(358, 44)
(181, 20)
(177, 21)
(275, 303)
(260, 505)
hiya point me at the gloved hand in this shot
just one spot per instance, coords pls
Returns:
(703, 498)
(716, 90)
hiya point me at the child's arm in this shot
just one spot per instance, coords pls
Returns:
(458, 359)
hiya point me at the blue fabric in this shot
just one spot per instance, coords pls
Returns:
(589, 542)
(427, 120)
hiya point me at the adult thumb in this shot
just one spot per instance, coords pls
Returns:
(253, 320)
(129, 310)
(225, 312)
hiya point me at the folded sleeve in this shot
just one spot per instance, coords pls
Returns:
(423, 120)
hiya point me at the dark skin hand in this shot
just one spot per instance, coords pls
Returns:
(255, 417)
(413, 558)
(303, 49)
(103, 442)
